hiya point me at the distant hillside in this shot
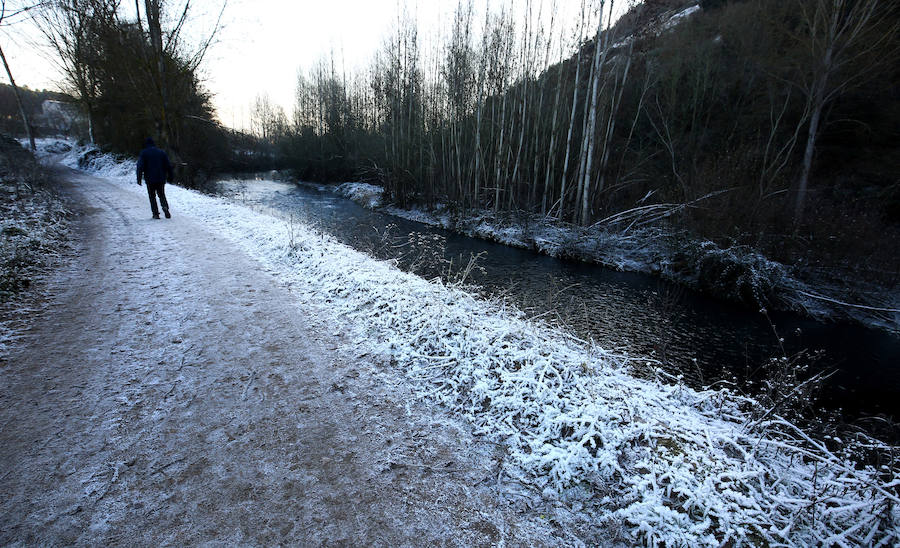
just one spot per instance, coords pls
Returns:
(51, 113)
(723, 101)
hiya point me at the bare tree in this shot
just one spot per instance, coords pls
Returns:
(620, 79)
(576, 87)
(551, 148)
(22, 112)
(844, 41)
(267, 120)
(73, 29)
(602, 46)
(164, 45)
(459, 78)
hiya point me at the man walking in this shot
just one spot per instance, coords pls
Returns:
(153, 165)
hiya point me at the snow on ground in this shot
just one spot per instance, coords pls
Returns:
(170, 391)
(33, 229)
(670, 464)
(677, 18)
(662, 22)
(362, 193)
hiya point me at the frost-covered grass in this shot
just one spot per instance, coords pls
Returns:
(672, 465)
(736, 273)
(362, 193)
(33, 220)
(33, 230)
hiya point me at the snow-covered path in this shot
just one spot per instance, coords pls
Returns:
(227, 377)
(173, 392)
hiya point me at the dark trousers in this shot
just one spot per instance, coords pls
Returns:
(154, 190)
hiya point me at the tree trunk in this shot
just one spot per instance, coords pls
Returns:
(565, 172)
(582, 150)
(477, 173)
(18, 95)
(551, 156)
(90, 117)
(515, 174)
(532, 193)
(611, 123)
(811, 137)
(499, 158)
(587, 149)
(154, 26)
(818, 103)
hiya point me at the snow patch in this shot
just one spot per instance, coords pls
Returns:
(366, 195)
(678, 17)
(85, 157)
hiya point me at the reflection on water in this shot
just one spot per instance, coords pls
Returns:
(696, 337)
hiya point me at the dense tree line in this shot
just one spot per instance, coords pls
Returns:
(135, 77)
(761, 121)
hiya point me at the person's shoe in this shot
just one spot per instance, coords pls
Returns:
(168, 215)
(156, 215)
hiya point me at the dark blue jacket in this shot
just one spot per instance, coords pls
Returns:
(153, 164)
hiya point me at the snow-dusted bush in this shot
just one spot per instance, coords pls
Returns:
(364, 194)
(56, 147)
(737, 274)
(85, 157)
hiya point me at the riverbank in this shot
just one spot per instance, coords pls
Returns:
(650, 459)
(736, 274)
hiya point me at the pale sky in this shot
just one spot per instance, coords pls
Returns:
(263, 43)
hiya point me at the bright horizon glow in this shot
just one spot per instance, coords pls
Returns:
(262, 44)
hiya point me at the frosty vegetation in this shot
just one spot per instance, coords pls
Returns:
(635, 243)
(33, 228)
(672, 465)
(362, 193)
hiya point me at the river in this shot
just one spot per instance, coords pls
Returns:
(693, 336)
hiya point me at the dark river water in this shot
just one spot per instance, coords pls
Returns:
(697, 337)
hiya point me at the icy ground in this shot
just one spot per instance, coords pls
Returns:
(33, 238)
(173, 392)
(229, 377)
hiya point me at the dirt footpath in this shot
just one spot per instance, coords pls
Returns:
(171, 392)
